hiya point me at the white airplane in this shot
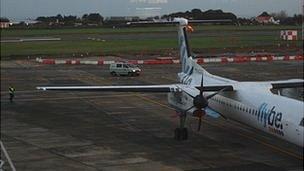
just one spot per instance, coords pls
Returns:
(200, 93)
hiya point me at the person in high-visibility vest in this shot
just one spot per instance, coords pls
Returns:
(11, 90)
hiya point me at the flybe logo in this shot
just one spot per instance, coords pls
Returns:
(271, 118)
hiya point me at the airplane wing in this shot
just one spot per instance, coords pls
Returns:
(131, 88)
(138, 88)
(292, 83)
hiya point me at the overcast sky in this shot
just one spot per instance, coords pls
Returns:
(21, 9)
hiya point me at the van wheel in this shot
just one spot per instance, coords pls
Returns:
(113, 73)
(130, 74)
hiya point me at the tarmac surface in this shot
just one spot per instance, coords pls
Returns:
(130, 131)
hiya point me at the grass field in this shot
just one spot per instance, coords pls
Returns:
(74, 42)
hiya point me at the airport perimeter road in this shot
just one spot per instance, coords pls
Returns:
(127, 131)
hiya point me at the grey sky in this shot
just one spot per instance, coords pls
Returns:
(21, 9)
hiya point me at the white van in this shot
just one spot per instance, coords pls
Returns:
(124, 69)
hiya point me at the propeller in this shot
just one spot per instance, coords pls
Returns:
(200, 103)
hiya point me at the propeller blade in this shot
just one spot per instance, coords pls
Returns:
(211, 95)
(202, 85)
(218, 113)
(199, 114)
(199, 123)
(223, 116)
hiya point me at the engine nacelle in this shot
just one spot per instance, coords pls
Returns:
(180, 100)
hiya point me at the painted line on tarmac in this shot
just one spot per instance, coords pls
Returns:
(117, 113)
(259, 141)
(155, 102)
(273, 147)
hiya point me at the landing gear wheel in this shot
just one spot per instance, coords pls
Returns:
(184, 133)
(181, 134)
(177, 134)
(113, 73)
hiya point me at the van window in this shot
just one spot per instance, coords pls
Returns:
(118, 65)
(125, 66)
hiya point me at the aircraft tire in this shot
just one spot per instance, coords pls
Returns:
(177, 134)
(113, 73)
(184, 134)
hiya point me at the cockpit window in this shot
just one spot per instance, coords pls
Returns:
(302, 122)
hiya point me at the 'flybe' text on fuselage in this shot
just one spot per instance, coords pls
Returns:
(269, 117)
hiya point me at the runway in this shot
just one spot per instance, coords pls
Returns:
(130, 131)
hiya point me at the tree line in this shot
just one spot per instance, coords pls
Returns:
(197, 14)
(96, 19)
(87, 19)
(296, 19)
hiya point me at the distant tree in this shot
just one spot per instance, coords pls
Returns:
(84, 17)
(94, 18)
(70, 20)
(2, 19)
(156, 17)
(287, 20)
(197, 14)
(282, 15)
(59, 17)
(298, 19)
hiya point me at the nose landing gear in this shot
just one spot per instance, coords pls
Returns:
(181, 133)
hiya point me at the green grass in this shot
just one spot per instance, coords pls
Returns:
(81, 31)
(94, 47)
(76, 45)
(128, 46)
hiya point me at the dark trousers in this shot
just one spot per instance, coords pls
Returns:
(11, 97)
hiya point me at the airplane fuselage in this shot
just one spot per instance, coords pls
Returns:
(250, 103)
(263, 111)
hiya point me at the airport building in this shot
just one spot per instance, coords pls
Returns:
(4, 23)
(265, 18)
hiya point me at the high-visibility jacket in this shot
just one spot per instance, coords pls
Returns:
(11, 90)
